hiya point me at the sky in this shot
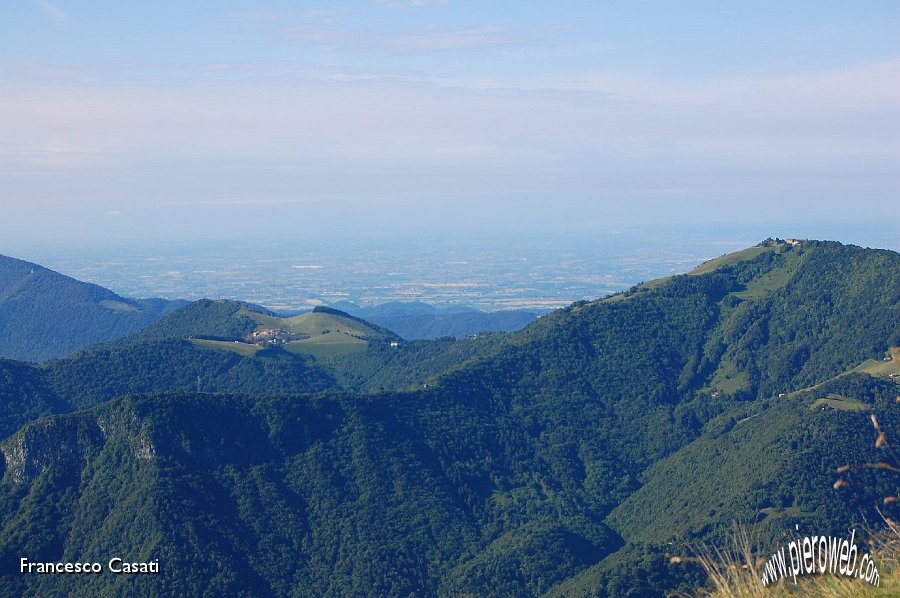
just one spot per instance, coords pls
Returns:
(128, 120)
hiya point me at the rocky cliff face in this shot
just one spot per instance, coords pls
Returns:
(53, 441)
(70, 442)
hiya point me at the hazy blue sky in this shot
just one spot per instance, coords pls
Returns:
(136, 119)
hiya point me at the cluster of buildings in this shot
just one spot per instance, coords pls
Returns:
(273, 336)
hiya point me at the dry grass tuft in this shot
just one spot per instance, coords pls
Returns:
(737, 571)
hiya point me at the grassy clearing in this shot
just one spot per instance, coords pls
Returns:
(873, 367)
(840, 403)
(767, 283)
(327, 345)
(650, 284)
(656, 282)
(879, 367)
(729, 379)
(328, 335)
(614, 298)
(312, 324)
(245, 349)
(783, 513)
(727, 260)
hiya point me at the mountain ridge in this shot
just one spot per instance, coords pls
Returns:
(415, 320)
(46, 314)
(555, 436)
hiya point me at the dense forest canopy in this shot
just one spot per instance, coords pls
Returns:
(566, 458)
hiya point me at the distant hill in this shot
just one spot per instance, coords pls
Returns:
(248, 329)
(414, 320)
(45, 314)
(206, 346)
(564, 459)
(229, 347)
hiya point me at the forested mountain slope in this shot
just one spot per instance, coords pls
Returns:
(554, 460)
(178, 354)
(44, 314)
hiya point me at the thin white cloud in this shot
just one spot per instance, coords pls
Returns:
(236, 136)
(256, 15)
(52, 11)
(330, 29)
(434, 39)
(429, 39)
(395, 4)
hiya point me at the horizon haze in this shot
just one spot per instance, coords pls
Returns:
(155, 122)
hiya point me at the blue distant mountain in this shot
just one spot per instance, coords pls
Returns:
(416, 320)
(45, 314)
